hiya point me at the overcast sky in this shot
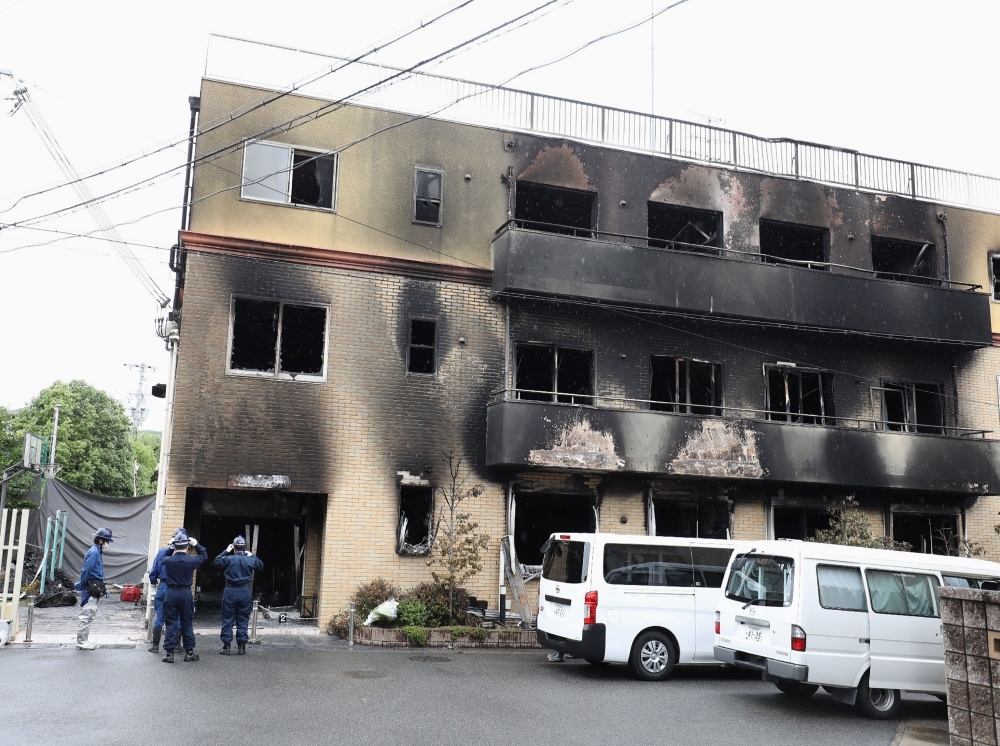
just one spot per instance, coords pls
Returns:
(909, 79)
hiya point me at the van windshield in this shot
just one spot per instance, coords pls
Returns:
(564, 561)
(766, 581)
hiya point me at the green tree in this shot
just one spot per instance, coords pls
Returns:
(11, 452)
(93, 445)
(146, 450)
(850, 527)
(455, 537)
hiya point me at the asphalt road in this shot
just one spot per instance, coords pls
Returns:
(284, 694)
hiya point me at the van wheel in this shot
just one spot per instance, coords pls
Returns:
(880, 704)
(796, 688)
(653, 656)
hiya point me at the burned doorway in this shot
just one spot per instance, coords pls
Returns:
(289, 541)
(534, 516)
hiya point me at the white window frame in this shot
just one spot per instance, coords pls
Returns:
(277, 374)
(413, 216)
(989, 261)
(288, 180)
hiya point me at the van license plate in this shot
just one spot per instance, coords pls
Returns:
(752, 634)
(558, 610)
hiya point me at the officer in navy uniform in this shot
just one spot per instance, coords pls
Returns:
(178, 610)
(157, 577)
(238, 564)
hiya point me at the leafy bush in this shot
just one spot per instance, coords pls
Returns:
(477, 633)
(457, 632)
(411, 613)
(339, 624)
(416, 635)
(369, 595)
(434, 597)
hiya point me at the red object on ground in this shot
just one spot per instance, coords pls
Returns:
(131, 593)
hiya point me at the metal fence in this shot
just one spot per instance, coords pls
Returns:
(278, 68)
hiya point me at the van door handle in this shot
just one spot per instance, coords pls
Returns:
(864, 641)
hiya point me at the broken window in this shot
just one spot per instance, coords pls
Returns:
(682, 385)
(551, 373)
(912, 407)
(416, 514)
(802, 245)
(799, 395)
(995, 275)
(707, 520)
(928, 534)
(421, 356)
(538, 516)
(896, 259)
(279, 173)
(799, 523)
(542, 207)
(274, 338)
(676, 227)
(427, 196)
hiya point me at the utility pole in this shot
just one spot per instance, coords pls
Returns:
(138, 411)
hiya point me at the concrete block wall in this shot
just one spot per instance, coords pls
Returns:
(972, 672)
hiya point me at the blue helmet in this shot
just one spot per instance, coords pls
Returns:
(105, 534)
(177, 531)
(180, 539)
(239, 541)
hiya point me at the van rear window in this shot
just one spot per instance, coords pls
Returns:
(647, 564)
(757, 579)
(986, 584)
(564, 561)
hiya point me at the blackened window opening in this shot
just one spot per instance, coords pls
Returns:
(554, 209)
(995, 275)
(676, 227)
(802, 245)
(707, 520)
(303, 339)
(796, 395)
(415, 516)
(799, 523)
(909, 261)
(912, 407)
(255, 335)
(312, 179)
(575, 376)
(682, 385)
(423, 337)
(427, 197)
(551, 373)
(538, 516)
(926, 534)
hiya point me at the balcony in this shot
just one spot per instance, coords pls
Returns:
(623, 271)
(619, 436)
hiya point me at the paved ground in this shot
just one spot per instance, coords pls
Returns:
(314, 690)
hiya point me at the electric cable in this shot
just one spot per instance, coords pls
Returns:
(288, 125)
(222, 119)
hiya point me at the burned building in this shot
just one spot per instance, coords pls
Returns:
(695, 332)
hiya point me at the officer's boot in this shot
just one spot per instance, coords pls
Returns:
(189, 656)
(225, 649)
(241, 648)
(157, 633)
(169, 657)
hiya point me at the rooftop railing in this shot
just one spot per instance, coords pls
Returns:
(280, 68)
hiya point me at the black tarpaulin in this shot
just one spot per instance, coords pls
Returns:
(125, 560)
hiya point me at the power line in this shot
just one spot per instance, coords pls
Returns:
(287, 125)
(231, 116)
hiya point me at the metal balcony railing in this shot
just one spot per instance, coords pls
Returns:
(621, 403)
(660, 244)
(282, 69)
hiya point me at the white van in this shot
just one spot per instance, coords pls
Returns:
(861, 623)
(644, 600)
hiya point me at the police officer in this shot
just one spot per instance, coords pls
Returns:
(238, 565)
(92, 585)
(178, 611)
(157, 576)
